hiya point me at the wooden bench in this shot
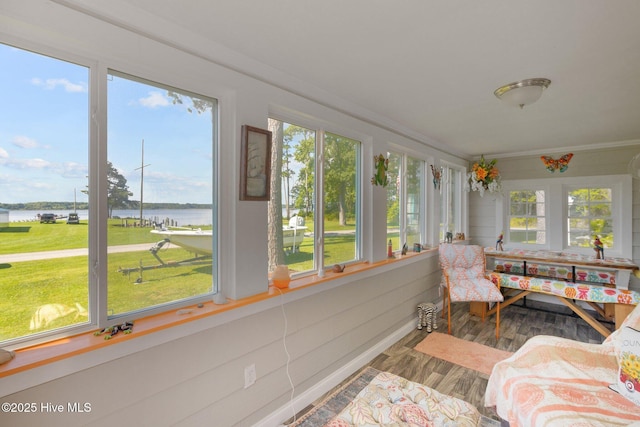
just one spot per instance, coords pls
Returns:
(597, 296)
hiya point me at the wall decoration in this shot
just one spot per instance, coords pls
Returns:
(553, 165)
(437, 177)
(484, 176)
(255, 164)
(381, 165)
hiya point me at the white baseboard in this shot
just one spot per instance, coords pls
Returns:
(285, 412)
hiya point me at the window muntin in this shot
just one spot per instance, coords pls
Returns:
(590, 214)
(527, 220)
(44, 150)
(160, 165)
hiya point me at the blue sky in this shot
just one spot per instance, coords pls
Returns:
(44, 128)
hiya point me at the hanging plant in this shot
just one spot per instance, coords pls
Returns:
(381, 165)
(484, 176)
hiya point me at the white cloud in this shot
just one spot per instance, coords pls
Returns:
(51, 84)
(24, 142)
(3, 153)
(35, 163)
(155, 99)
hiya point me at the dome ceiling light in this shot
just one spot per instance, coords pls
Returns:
(522, 93)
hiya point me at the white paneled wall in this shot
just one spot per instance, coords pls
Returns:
(199, 379)
(605, 161)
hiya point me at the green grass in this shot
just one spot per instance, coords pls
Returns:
(30, 285)
(35, 237)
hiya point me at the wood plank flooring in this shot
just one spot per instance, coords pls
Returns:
(517, 325)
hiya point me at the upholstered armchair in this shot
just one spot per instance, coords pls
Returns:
(463, 279)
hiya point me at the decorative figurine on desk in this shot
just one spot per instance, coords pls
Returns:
(598, 247)
(448, 237)
(405, 248)
(499, 242)
(390, 249)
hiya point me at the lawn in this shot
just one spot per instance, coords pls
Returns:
(48, 294)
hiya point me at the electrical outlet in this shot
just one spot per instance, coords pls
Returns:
(249, 375)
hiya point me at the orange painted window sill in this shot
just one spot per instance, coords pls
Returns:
(42, 354)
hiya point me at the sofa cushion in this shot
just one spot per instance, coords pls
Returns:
(632, 321)
(628, 379)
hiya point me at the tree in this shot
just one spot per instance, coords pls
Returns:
(274, 235)
(117, 190)
(339, 176)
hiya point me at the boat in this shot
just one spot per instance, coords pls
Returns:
(201, 241)
(194, 240)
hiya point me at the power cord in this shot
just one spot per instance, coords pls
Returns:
(284, 343)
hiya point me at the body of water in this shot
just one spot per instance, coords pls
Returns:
(183, 217)
(180, 217)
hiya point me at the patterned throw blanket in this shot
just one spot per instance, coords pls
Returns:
(391, 400)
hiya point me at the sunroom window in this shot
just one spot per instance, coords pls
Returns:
(311, 199)
(527, 219)
(405, 201)
(450, 201)
(44, 146)
(160, 225)
(589, 215)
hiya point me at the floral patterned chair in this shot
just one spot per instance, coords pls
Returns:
(463, 279)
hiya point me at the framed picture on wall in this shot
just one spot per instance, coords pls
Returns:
(255, 164)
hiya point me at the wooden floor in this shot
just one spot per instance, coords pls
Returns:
(517, 324)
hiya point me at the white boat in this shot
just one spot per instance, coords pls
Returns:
(201, 241)
(196, 241)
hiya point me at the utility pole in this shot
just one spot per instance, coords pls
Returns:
(141, 168)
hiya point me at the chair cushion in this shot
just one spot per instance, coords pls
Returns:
(469, 287)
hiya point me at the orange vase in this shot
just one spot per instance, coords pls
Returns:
(281, 277)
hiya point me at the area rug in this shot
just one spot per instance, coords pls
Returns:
(478, 357)
(331, 406)
(335, 404)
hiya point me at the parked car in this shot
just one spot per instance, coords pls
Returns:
(73, 218)
(47, 218)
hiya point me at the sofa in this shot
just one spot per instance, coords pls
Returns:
(553, 381)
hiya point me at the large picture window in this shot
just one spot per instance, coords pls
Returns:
(311, 199)
(44, 158)
(153, 233)
(160, 207)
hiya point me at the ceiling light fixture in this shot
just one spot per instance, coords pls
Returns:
(522, 93)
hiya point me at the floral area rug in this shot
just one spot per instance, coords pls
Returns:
(374, 398)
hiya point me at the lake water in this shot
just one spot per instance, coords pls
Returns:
(183, 217)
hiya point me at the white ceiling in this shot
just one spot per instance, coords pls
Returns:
(427, 67)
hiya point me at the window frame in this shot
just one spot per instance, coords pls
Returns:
(507, 213)
(321, 127)
(98, 72)
(426, 201)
